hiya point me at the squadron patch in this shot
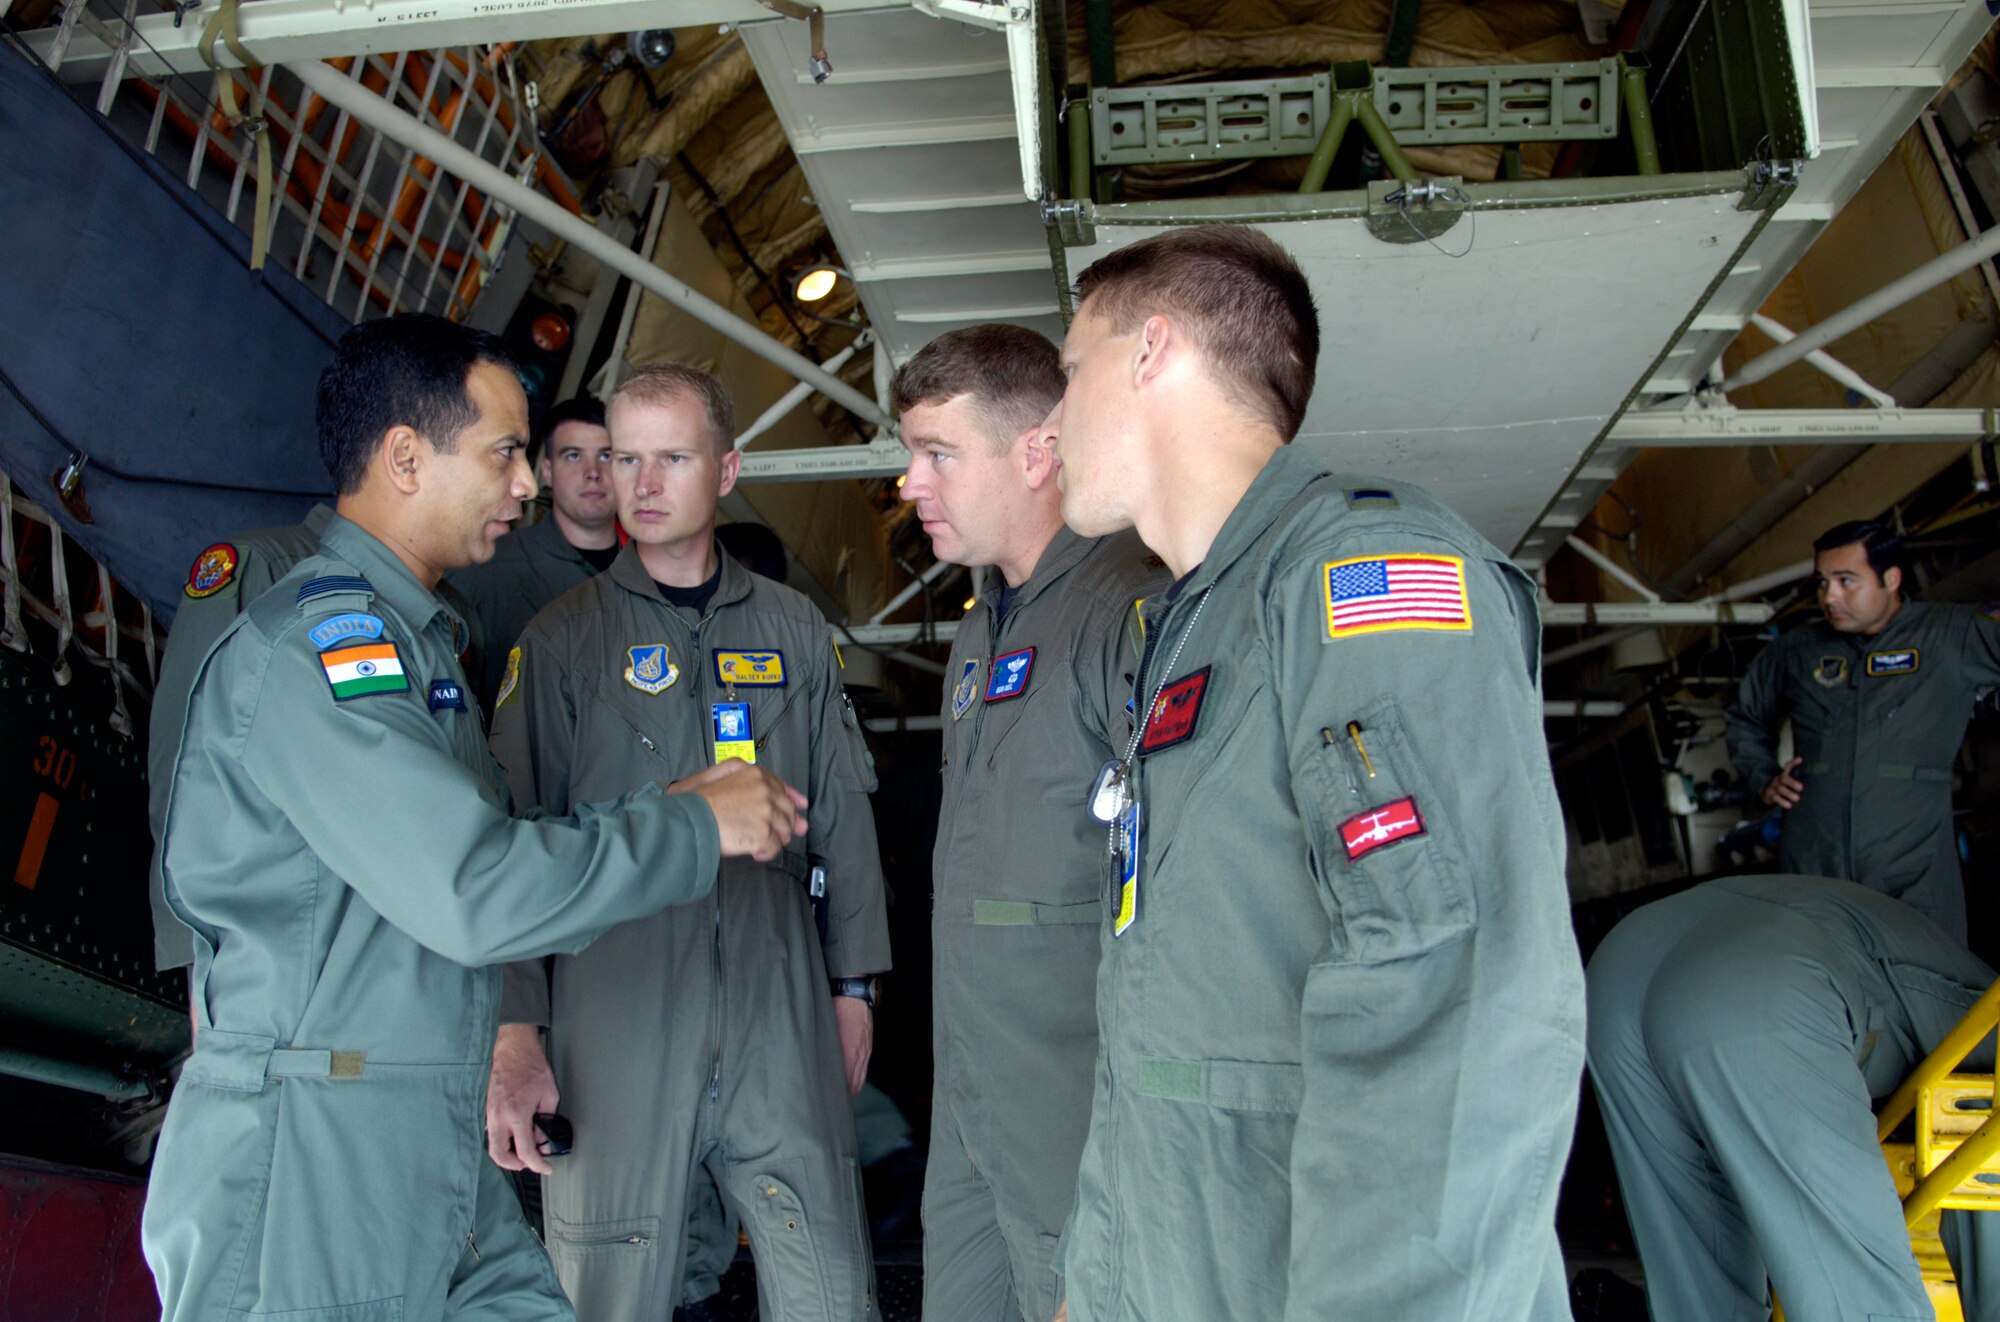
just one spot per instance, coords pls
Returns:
(1008, 676)
(1174, 713)
(1382, 593)
(1366, 832)
(751, 669)
(345, 628)
(511, 680)
(1903, 661)
(364, 669)
(212, 571)
(652, 669)
(1831, 672)
(967, 689)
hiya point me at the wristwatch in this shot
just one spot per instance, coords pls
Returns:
(861, 989)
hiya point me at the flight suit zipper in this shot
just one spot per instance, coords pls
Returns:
(696, 691)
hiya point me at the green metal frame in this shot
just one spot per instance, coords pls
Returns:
(1716, 100)
(1506, 103)
(1208, 121)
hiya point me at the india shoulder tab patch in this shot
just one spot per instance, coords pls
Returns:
(212, 571)
(966, 690)
(751, 669)
(1008, 676)
(652, 669)
(352, 627)
(1903, 661)
(1174, 713)
(1366, 832)
(364, 669)
(1384, 593)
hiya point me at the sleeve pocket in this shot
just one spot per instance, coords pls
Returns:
(1389, 867)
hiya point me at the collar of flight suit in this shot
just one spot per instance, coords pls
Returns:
(1908, 618)
(318, 517)
(1290, 471)
(545, 537)
(1063, 553)
(628, 571)
(390, 577)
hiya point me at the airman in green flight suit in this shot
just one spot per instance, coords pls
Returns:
(339, 842)
(1341, 1008)
(1035, 702)
(1879, 695)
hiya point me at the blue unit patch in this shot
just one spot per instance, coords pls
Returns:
(1903, 661)
(652, 670)
(968, 688)
(447, 694)
(764, 669)
(1009, 676)
(345, 628)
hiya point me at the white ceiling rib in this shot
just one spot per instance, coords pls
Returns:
(1876, 65)
(915, 161)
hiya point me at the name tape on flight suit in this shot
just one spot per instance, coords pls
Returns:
(1383, 593)
(1008, 676)
(761, 669)
(211, 571)
(1174, 713)
(1902, 661)
(447, 695)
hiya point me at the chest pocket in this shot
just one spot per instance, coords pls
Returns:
(1383, 840)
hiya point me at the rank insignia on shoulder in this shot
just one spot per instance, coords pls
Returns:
(1366, 832)
(1830, 672)
(509, 681)
(1174, 713)
(1903, 661)
(1371, 498)
(212, 571)
(966, 689)
(447, 695)
(345, 628)
(752, 669)
(364, 669)
(652, 669)
(1008, 676)
(1383, 593)
(328, 585)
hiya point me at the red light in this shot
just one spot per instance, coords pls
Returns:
(549, 332)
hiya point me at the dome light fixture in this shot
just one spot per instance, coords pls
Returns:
(815, 282)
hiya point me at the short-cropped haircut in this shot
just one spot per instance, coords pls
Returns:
(408, 370)
(1879, 542)
(1240, 297)
(663, 383)
(1012, 375)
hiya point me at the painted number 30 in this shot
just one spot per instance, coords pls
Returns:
(56, 763)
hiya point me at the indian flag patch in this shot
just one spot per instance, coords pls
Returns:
(355, 672)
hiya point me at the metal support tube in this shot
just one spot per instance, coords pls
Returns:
(1752, 587)
(1944, 1058)
(1610, 566)
(912, 589)
(386, 119)
(68, 1074)
(1858, 314)
(1385, 142)
(1078, 113)
(1970, 1156)
(1826, 363)
(1639, 117)
(796, 396)
(1337, 124)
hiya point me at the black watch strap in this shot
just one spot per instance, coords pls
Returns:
(861, 989)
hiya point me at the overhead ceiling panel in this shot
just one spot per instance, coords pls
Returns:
(1487, 376)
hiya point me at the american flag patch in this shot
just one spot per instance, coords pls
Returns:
(1378, 593)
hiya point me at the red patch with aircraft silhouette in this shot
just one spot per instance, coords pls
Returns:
(1366, 832)
(1173, 716)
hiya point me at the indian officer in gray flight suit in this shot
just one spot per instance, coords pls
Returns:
(1879, 695)
(1740, 1035)
(224, 578)
(1036, 695)
(339, 842)
(1341, 1006)
(723, 1039)
(538, 562)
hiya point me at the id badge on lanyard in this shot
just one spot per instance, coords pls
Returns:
(1128, 847)
(733, 736)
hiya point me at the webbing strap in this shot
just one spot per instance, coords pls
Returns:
(11, 634)
(222, 23)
